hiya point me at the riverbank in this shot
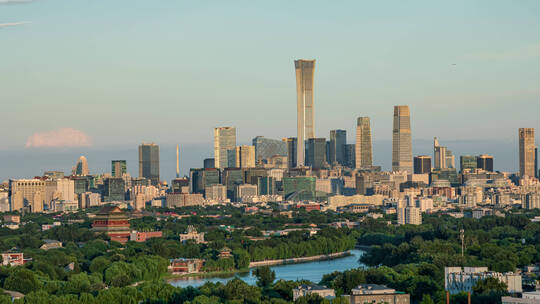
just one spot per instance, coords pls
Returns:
(321, 257)
(172, 277)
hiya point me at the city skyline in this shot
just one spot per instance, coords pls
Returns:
(436, 75)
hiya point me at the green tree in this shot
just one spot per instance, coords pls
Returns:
(265, 276)
(489, 285)
(22, 280)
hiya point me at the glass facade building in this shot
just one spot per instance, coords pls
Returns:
(149, 162)
(265, 148)
(299, 188)
(336, 149)
(118, 168)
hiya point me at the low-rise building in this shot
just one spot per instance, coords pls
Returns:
(192, 234)
(138, 236)
(13, 257)
(305, 290)
(185, 266)
(458, 279)
(51, 244)
(532, 297)
(372, 293)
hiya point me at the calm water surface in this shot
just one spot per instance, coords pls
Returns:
(312, 271)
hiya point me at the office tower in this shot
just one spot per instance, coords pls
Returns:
(216, 193)
(265, 148)
(180, 185)
(209, 163)
(177, 162)
(450, 160)
(536, 162)
(350, 155)
(305, 72)
(292, 145)
(114, 189)
(54, 174)
(526, 152)
(364, 148)
(468, 162)
(316, 153)
(299, 188)
(224, 140)
(485, 162)
(118, 168)
(401, 140)
(200, 179)
(336, 153)
(81, 168)
(245, 157)
(443, 157)
(149, 162)
(232, 177)
(422, 164)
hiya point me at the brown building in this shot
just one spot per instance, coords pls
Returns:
(112, 221)
(526, 152)
(183, 266)
(372, 293)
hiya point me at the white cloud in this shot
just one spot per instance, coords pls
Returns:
(2, 25)
(64, 137)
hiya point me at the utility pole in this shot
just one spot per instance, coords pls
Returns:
(462, 237)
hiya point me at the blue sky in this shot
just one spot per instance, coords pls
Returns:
(122, 72)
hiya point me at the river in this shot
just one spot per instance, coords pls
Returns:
(312, 271)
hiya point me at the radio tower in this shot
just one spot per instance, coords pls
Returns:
(177, 163)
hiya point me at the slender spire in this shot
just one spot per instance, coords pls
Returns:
(177, 163)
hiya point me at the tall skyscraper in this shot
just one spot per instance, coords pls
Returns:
(401, 140)
(118, 168)
(265, 148)
(468, 162)
(292, 145)
(305, 72)
(245, 157)
(526, 152)
(485, 162)
(224, 140)
(338, 140)
(81, 168)
(443, 157)
(149, 162)
(422, 164)
(316, 153)
(363, 148)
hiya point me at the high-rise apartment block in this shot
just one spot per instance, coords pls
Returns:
(338, 141)
(422, 164)
(149, 162)
(224, 141)
(526, 152)
(305, 72)
(409, 216)
(118, 168)
(363, 148)
(402, 159)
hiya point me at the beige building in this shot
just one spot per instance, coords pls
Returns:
(192, 234)
(372, 293)
(306, 290)
(27, 193)
(409, 216)
(305, 72)
(224, 141)
(526, 152)
(363, 147)
(216, 193)
(402, 159)
(245, 156)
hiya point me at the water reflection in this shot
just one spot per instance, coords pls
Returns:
(312, 271)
